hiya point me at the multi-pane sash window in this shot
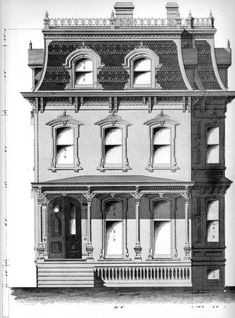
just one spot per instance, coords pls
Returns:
(64, 145)
(65, 133)
(212, 155)
(213, 221)
(161, 145)
(142, 72)
(113, 145)
(162, 135)
(84, 72)
(162, 228)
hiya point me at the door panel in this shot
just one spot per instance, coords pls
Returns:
(64, 228)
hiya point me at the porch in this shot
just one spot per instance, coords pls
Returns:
(70, 273)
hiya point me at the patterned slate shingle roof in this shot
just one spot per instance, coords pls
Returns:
(113, 75)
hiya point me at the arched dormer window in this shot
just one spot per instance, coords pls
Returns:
(142, 65)
(83, 66)
(113, 143)
(65, 134)
(162, 132)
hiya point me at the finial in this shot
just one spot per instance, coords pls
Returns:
(189, 14)
(30, 45)
(210, 14)
(46, 15)
(228, 44)
(112, 15)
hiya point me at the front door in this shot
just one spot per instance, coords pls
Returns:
(64, 228)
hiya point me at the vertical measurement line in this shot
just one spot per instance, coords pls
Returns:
(4, 260)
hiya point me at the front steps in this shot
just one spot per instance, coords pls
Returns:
(66, 273)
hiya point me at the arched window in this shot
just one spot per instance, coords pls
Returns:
(84, 72)
(113, 143)
(65, 133)
(142, 65)
(83, 66)
(142, 72)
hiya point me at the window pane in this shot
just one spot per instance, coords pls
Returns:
(84, 78)
(142, 78)
(114, 239)
(113, 154)
(84, 65)
(162, 136)
(64, 154)
(72, 221)
(213, 210)
(113, 136)
(213, 274)
(64, 136)
(162, 237)
(213, 136)
(114, 210)
(212, 154)
(212, 231)
(142, 65)
(162, 155)
(162, 210)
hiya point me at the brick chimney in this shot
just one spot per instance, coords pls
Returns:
(124, 10)
(172, 10)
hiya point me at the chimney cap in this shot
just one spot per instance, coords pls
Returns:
(172, 5)
(123, 5)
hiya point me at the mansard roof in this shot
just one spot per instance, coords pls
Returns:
(184, 47)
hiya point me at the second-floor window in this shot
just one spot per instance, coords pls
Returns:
(162, 135)
(65, 134)
(213, 145)
(213, 221)
(113, 143)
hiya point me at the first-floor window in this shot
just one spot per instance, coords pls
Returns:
(114, 229)
(162, 229)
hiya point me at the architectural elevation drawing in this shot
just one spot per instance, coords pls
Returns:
(129, 151)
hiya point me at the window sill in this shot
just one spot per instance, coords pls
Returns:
(103, 168)
(173, 168)
(74, 168)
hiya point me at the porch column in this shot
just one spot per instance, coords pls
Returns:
(137, 196)
(44, 228)
(186, 211)
(39, 225)
(89, 247)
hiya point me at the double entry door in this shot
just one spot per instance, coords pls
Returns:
(64, 228)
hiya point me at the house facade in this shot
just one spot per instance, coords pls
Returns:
(129, 120)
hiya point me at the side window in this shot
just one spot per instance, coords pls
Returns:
(64, 143)
(212, 223)
(213, 146)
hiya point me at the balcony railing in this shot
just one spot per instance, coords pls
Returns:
(144, 274)
(189, 22)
